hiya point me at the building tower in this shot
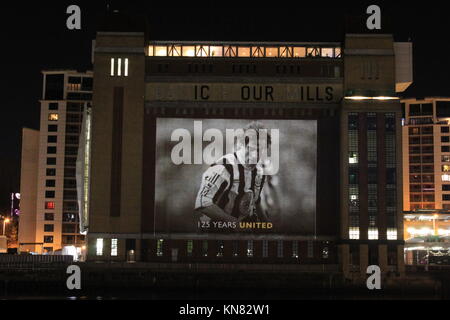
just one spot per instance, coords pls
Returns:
(49, 217)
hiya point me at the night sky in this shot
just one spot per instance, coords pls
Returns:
(34, 37)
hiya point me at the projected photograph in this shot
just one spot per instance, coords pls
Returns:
(216, 175)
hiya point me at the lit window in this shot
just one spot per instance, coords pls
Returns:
(150, 51)
(327, 52)
(271, 52)
(215, 51)
(337, 52)
(250, 248)
(202, 51)
(353, 158)
(373, 234)
(126, 68)
(113, 247)
(190, 247)
(159, 247)
(353, 233)
(220, 249)
(119, 67)
(174, 51)
(325, 253)
(257, 51)
(49, 205)
(112, 67)
(295, 249)
(229, 51)
(188, 51)
(312, 52)
(391, 234)
(244, 52)
(160, 51)
(99, 247)
(446, 168)
(286, 52)
(445, 177)
(299, 52)
(53, 117)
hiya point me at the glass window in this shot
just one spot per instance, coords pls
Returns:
(51, 161)
(49, 205)
(114, 247)
(257, 52)
(327, 52)
(50, 183)
(48, 239)
(286, 52)
(445, 139)
(445, 149)
(159, 247)
(265, 248)
(295, 249)
(52, 128)
(52, 139)
(310, 249)
(250, 248)
(271, 52)
(160, 51)
(49, 216)
(53, 106)
(201, 51)
(50, 194)
(220, 248)
(190, 247)
(205, 248)
(230, 51)
(51, 172)
(244, 52)
(215, 51)
(175, 51)
(235, 248)
(188, 51)
(112, 67)
(445, 129)
(299, 52)
(51, 150)
(354, 233)
(99, 247)
(280, 248)
(48, 227)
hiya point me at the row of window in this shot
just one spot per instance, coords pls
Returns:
(232, 51)
(67, 217)
(372, 233)
(220, 246)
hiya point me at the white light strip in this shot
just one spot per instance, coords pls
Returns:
(112, 67)
(359, 98)
(126, 67)
(119, 67)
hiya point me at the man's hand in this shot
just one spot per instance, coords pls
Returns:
(246, 205)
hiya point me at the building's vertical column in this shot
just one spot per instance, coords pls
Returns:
(117, 135)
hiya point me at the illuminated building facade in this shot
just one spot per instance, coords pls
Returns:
(426, 161)
(49, 216)
(426, 180)
(347, 91)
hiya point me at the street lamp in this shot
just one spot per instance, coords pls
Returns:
(5, 221)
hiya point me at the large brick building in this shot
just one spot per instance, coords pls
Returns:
(344, 92)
